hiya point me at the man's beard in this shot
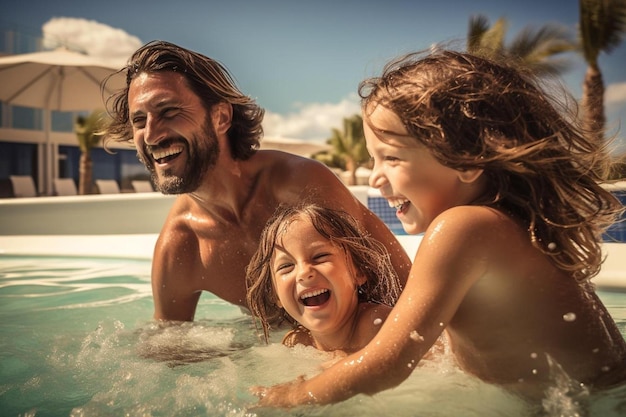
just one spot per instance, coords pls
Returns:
(203, 151)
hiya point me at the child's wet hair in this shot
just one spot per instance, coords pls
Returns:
(475, 113)
(369, 256)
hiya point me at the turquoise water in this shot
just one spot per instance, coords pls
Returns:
(76, 339)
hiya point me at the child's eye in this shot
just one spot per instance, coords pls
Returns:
(284, 268)
(321, 257)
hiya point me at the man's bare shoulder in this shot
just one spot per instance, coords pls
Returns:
(284, 165)
(177, 233)
(292, 177)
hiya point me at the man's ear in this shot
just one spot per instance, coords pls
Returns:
(222, 116)
(469, 175)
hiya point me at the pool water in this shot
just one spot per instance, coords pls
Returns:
(77, 340)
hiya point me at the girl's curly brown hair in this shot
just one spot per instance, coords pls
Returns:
(475, 113)
(367, 254)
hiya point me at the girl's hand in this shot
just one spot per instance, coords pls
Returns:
(284, 395)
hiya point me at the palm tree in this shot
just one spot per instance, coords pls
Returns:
(602, 25)
(535, 49)
(87, 131)
(348, 145)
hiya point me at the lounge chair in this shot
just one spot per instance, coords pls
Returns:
(64, 186)
(23, 186)
(142, 186)
(108, 186)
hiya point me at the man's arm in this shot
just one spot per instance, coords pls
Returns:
(172, 276)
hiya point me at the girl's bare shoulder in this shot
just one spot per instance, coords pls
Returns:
(476, 232)
(478, 221)
(298, 336)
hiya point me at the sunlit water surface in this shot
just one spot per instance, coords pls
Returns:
(76, 339)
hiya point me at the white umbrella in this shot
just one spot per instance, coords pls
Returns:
(56, 80)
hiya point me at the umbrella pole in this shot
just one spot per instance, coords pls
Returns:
(48, 153)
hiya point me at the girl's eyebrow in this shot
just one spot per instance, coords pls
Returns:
(386, 132)
(389, 132)
(279, 249)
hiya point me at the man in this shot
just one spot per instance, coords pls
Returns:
(199, 135)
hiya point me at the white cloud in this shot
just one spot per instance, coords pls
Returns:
(312, 121)
(91, 37)
(615, 110)
(615, 93)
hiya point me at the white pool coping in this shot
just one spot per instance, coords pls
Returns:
(140, 246)
(130, 246)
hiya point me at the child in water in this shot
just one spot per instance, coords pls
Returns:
(505, 188)
(335, 281)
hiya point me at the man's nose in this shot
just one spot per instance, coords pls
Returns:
(153, 131)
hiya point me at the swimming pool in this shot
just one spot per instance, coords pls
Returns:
(77, 340)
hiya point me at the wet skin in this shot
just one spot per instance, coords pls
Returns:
(214, 225)
(506, 310)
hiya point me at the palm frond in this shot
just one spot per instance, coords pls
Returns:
(602, 26)
(478, 26)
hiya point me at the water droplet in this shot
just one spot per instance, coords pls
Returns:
(551, 246)
(377, 322)
(534, 372)
(440, 324)
(605, 369)
(533, 355)
(569, 317)
(409, 365)
(596, 350)
(414, 335)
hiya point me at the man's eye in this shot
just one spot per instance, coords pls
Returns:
(138, 121)
(169, 112)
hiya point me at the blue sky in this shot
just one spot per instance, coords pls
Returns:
(303, 60)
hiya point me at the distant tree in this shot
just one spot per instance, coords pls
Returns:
(533, 48)
(87, 129)
(348, 147)
(602, 26)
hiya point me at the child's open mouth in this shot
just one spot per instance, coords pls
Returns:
(315, 298)
(400, 205)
